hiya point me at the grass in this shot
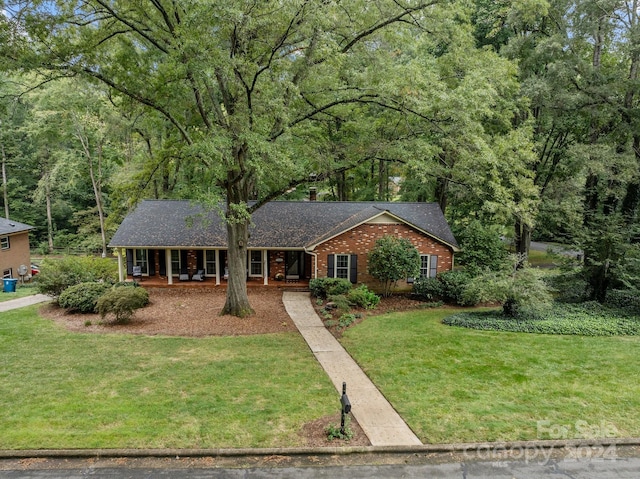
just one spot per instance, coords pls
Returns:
(20, 292)
(542, 259)
(71, 390)
(453, 384)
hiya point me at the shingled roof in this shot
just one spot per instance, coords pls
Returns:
(276, 225)
(8, 227)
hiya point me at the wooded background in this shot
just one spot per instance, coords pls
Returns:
(522, 115)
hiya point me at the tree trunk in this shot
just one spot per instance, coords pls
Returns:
(238, 220)
(383, 181)
(97, 191)
(5, 194)
(237, 302)
(522, 241)
(442, 185)
(47, 194)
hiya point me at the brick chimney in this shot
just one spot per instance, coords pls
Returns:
(313, 194)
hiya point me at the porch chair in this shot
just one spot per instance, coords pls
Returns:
(136, 273)
(184, 274)
(199, 276)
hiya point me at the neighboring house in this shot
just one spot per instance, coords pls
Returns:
(288, 241)
(14, 248)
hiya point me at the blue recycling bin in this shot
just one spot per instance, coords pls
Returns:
(10, 285)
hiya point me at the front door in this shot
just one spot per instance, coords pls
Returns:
(294, 264)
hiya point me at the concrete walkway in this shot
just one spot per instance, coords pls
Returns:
(380, 422)
(22, 302)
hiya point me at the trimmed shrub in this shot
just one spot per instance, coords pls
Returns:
(428, 289)
(363, 297)
(324, 287)
(122, 303)
(453, 286)
(82, 297)
(392, 259)
(56, 275)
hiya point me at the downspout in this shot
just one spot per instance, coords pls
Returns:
(315, 262)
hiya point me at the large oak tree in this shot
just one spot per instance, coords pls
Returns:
(243, 82)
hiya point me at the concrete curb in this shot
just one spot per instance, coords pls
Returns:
(317, 451)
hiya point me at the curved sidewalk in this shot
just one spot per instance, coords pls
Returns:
(22, 302)
(377, 418)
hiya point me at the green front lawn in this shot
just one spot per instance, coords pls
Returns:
(453, 384)
(73, 390)
(21, 291)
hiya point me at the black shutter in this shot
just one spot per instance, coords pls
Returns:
(199, 259)
(433, 266)
(183, 262)
(162, 259)
(152, 262)
(331, 266)
(129, 261)
(353, 269)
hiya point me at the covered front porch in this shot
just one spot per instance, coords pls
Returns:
(160, 267)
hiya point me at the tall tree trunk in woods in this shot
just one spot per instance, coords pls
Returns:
(442, 183)
(97, 191)
(47, 196)
(521, 241)
(596, 261)
(632, 195)
(5, 194)
(383, 181)
(95, 173)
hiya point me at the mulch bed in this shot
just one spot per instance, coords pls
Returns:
(187, 312)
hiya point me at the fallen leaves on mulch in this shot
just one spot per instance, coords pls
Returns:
(187, 312)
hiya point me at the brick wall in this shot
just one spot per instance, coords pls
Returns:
(361, 240)
(17, 254)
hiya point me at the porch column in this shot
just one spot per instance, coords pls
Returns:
(167, 258)
(121, 275)
(217, 267)
(265, 268)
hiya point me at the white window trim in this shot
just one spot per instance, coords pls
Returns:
(252, 262)
(176, 271)
(5, 240)
(144, 263)
(346, 268)
(7, 273)
(212, 263)
(428, 269)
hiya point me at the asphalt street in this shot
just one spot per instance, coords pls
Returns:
(618, 468)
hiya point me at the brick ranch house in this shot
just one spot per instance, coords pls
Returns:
(14, 248)
(289, 241)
